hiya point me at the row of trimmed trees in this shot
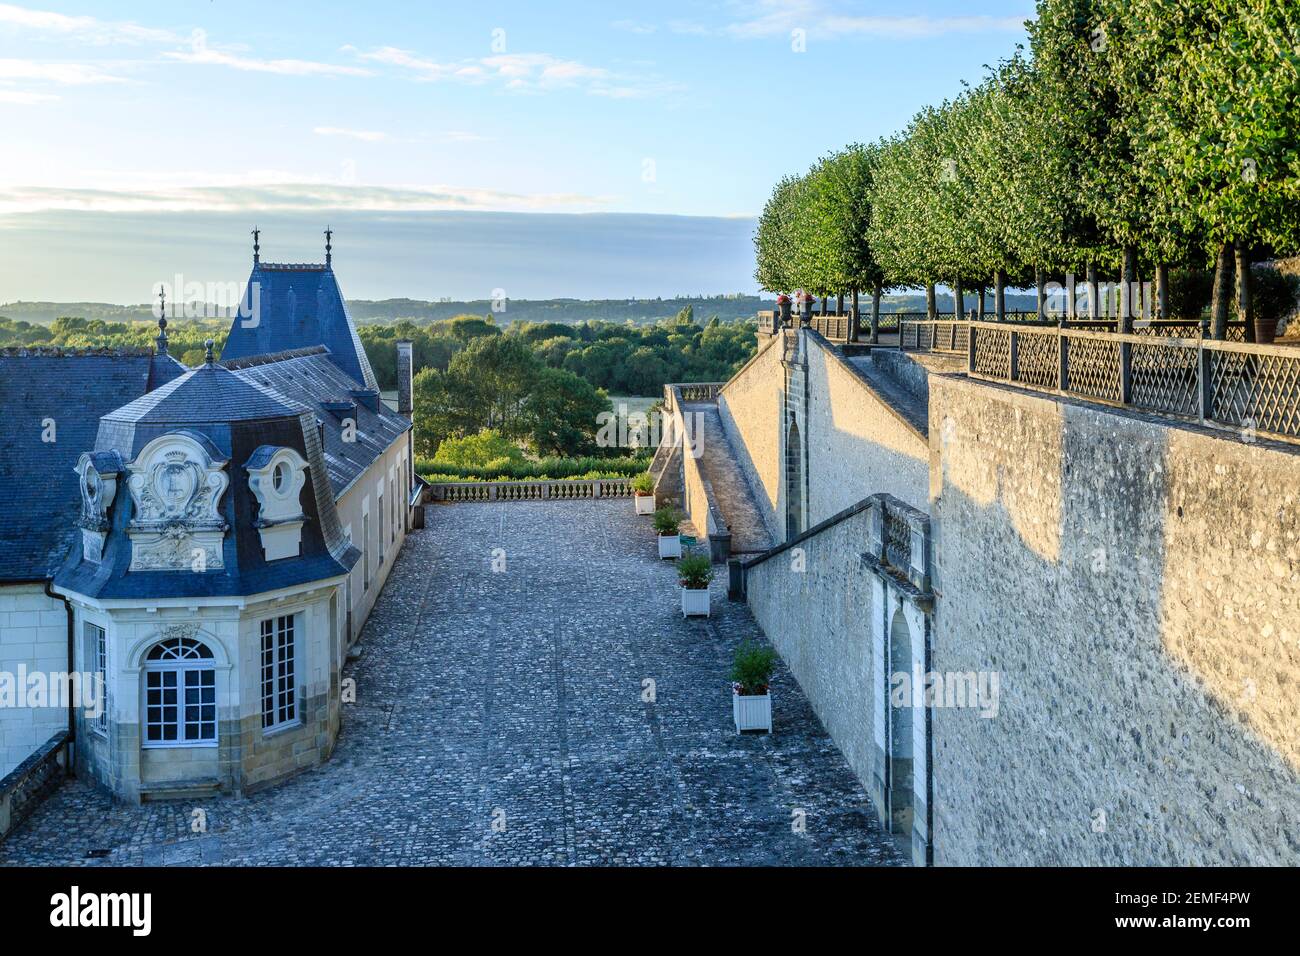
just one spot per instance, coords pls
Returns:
(1134, 138)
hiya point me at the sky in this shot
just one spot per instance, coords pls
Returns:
(582, 149)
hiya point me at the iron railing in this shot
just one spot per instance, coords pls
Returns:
(1255, 388)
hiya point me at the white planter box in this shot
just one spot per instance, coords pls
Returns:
(753, 712)
(645, 504)
(670, 546)
(695, 602)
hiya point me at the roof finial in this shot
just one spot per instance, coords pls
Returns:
(257, 246)
(207, 351)
(162, 321)
(329, 249)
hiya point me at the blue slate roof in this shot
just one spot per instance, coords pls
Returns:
(310, 376)
(39, 497)
(299, 306)
(234, 438)
(209, 394)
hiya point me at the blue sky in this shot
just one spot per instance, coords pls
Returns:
(192, 118)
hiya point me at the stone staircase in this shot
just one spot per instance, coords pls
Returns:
(731, 491)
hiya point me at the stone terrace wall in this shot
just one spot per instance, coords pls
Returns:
(1137, 587)
(750, 408)
(857, 444)
(818, 620)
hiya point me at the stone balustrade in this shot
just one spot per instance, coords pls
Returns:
(560, 489)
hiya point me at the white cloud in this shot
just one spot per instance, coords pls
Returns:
(369, 136)
(522, 72)
(757, 19)
(87, 29)
(25, 97)
(201, 54)
(289, 196)
(64, 74)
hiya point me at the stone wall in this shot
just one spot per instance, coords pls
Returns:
(1136, 585)
(750, 407)
(33, 634)
(814, 603)
(857, 444)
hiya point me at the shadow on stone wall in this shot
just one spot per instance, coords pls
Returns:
(1132, 584)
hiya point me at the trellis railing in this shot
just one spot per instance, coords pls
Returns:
(1227, 384)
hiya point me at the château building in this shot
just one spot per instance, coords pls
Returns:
(208, 539)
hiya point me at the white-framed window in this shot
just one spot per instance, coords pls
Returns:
(97, 649)
(392, 489)
(279, 673)
(180, 695)
(383, 521)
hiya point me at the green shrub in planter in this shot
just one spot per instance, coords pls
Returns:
(1273, 297)
(751, 669)
(695, 571)
(643, 484)
(667, 522)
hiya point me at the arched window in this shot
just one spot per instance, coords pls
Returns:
(180, 694)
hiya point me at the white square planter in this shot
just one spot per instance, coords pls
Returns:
(695, 602)
(645, 504)
(670, 546)
(753, 712)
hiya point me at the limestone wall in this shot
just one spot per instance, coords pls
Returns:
(857, 444)
(1136, 585)
(750, 408)
(33, 634)
(814, 603)
(365, 522)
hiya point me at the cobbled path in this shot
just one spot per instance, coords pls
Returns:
(500, 720)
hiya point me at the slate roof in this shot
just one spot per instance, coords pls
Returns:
(300, 306)
(39, 497)
(311, 377)
(208, 394)
(324, 550)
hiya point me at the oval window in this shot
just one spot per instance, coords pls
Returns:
(280, 477)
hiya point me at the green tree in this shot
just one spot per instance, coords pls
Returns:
(560, 414)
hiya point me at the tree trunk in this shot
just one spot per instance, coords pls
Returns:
(958, 300)
(1127, 277)
(875, 314)
(1245, 307)
(1071, 307)
(1223, 270)
(1094, 293)
(1000, 295)
(853, 319)
(979, 306)
(1040, 292)
(1162, 290)
(839, 304)
(825, 299)
(931, 309)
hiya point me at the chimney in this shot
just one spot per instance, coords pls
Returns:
(405, 360)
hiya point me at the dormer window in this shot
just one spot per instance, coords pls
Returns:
(276, 477)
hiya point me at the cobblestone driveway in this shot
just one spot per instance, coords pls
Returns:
(517, 696)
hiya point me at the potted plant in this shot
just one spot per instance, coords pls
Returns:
(643, 493)
(668, 526)
(1274, 299)
(694, 572)
(751, 687)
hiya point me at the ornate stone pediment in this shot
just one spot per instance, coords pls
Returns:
(176, 488)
